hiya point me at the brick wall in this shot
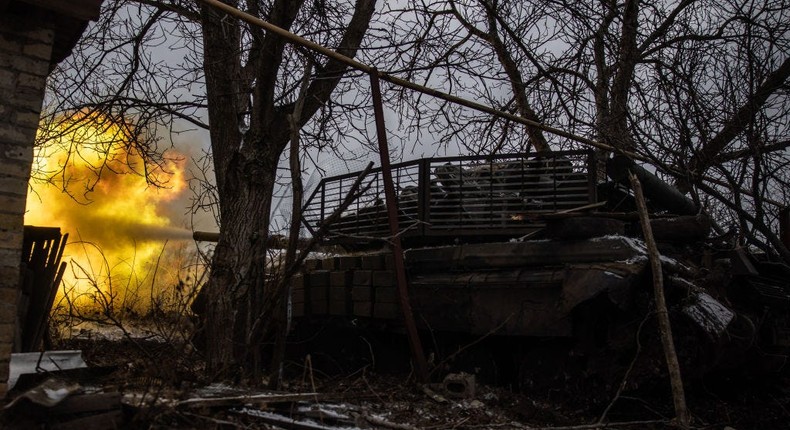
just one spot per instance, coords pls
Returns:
(25, 51)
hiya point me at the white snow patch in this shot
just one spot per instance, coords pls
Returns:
(710, 314)
(57, 395)
(304, 423)
(638, 259)
(326, 410)
(639, 246)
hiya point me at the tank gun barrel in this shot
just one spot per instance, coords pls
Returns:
(276, 241)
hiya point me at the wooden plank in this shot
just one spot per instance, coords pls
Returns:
(43, 250)
(252, 399)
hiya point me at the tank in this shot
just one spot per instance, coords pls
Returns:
(537, 246)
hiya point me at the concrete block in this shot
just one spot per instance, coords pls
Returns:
(297, 282)
(10, 256)
(363, 309)
(11, 236)
(44, 35)
(7, 332)
(25, 119)
(311, 264)
(5, 60)
(340, 292)
(11, 240)
(388, 311)
(9, 294)
(297, 295)
(318, 278)
(386, 294)
(339, 278)
(297, 309)
(12, 204)
(389, 262)
(11, 185)
(7, 79)
(319, 308)
(15, 141)
(384, 278)
(30, 65)
(11, 222)
(317, 293)
(362, 277)
(347, 262)
(329, 263)
(372, 262)
(28, 80)
(10, 44)
(338, 307)
(6, 112)
(5, 349)
(27, 99)
(38, 50)
(361, 293)
(16, 169)
(7, 314)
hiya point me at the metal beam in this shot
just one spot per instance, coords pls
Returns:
(415, 344)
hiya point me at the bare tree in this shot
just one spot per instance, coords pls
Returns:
(697, 87)
(239, 83)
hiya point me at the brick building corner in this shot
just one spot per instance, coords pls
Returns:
(34, 36)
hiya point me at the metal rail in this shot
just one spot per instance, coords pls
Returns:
(459, 196)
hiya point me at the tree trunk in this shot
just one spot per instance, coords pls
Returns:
(236, 288)
(248, 134)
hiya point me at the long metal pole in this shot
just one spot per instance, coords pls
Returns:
(415, 344)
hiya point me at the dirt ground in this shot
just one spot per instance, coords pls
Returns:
(165, 386)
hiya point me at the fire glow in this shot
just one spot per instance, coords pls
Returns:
(90, 181)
